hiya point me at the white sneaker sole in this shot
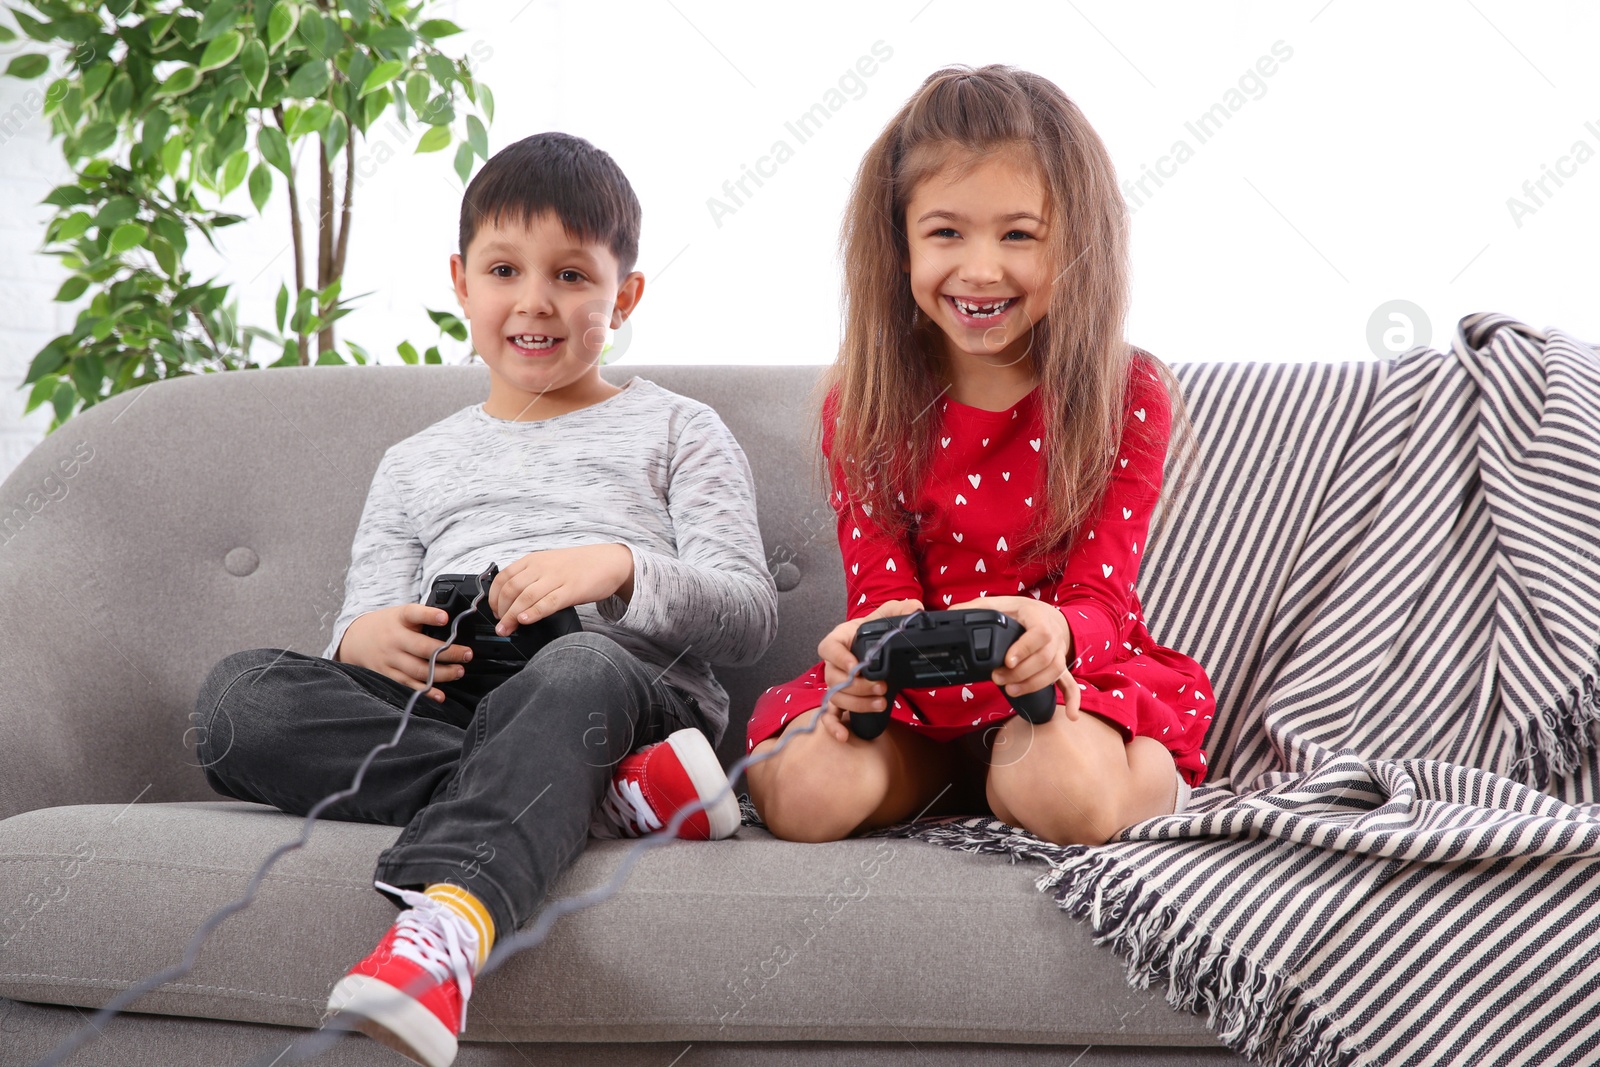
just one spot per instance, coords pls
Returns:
(392, 1018)
(699, 759)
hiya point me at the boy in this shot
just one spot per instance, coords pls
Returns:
(632, 504)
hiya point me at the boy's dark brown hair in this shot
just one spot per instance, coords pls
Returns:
(560, 173)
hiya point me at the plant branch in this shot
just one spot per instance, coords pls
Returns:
(294, 230)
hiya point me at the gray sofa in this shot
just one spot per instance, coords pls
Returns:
(166, 528)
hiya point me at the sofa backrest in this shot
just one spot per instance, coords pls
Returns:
(161, 530)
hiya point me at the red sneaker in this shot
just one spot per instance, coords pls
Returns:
(650, 785)
(411, 992)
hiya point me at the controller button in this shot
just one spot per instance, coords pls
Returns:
(982, 642)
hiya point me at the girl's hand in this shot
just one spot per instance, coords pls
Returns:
(542, 583)
(1039, 657)
(838, 661)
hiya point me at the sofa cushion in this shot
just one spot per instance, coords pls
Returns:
(748, 938)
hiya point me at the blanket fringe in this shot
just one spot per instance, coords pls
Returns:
(1561, 735)
(1253, 1011)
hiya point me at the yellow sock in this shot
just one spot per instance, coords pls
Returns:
(469, 908)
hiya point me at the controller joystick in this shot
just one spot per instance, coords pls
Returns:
(492, 652)
(939, 648)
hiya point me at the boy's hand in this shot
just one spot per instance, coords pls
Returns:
(1039, 657)
(838, 661)
(391, 642)
(541, 583)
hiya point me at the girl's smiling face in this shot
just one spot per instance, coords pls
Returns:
(977, 257)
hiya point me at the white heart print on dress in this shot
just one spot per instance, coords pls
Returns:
(974, 479)
(944, 442)
(1127, 513)
(1105, 569)
(1139, 414)
(1035, 442)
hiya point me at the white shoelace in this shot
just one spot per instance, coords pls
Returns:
(629, 810)
(433, 936)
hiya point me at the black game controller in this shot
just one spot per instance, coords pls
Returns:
(939, 648)
(492, 652)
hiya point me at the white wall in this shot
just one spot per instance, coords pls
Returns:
(1375, 164)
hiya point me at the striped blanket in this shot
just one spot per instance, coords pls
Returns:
(1398, 602)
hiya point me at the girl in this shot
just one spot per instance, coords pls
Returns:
(1002, 447)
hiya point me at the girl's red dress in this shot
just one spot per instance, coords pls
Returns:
(973, 504)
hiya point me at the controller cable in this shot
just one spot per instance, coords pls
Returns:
(318, 1042)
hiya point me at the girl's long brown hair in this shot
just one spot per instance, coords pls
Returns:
(889, 368)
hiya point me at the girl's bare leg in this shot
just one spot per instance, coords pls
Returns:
(1074, 782)
(822, 789)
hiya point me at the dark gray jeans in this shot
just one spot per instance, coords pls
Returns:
(495, 787)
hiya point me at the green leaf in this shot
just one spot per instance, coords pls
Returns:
(449, 324)
(274, 148)
(381, 75)
(222, 50)
(72, 288)
(357, 351)
(392, 38)
(7, 35)
(434, 29)
(373, 106)
(313, 30)
(166, 256)
(477, 136)
(486, 101)
(39, 31)
(443, 71)
(43, 389)
(66, 196)
(283, 304)
(221, 15)
(463, 162)
(431, 355)
(253, 65)
(260, 186)
(120, 98)
(234, 170)
(95, 79)
(281, 23)
(436, 138)
(65, 398)
(74, 225)
(417, 89)
(117, 210)
(172, 155)
(310, 79)
(312, 119)
(128, 235)
(27, 66)
(335, 136)
(291, 354)
(407, 351)
(440, 111)
(183, 80)
(97, 137)
(158, 27)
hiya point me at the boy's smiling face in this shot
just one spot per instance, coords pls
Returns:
(539, 302)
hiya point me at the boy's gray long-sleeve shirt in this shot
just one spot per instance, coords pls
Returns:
(647, 468)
